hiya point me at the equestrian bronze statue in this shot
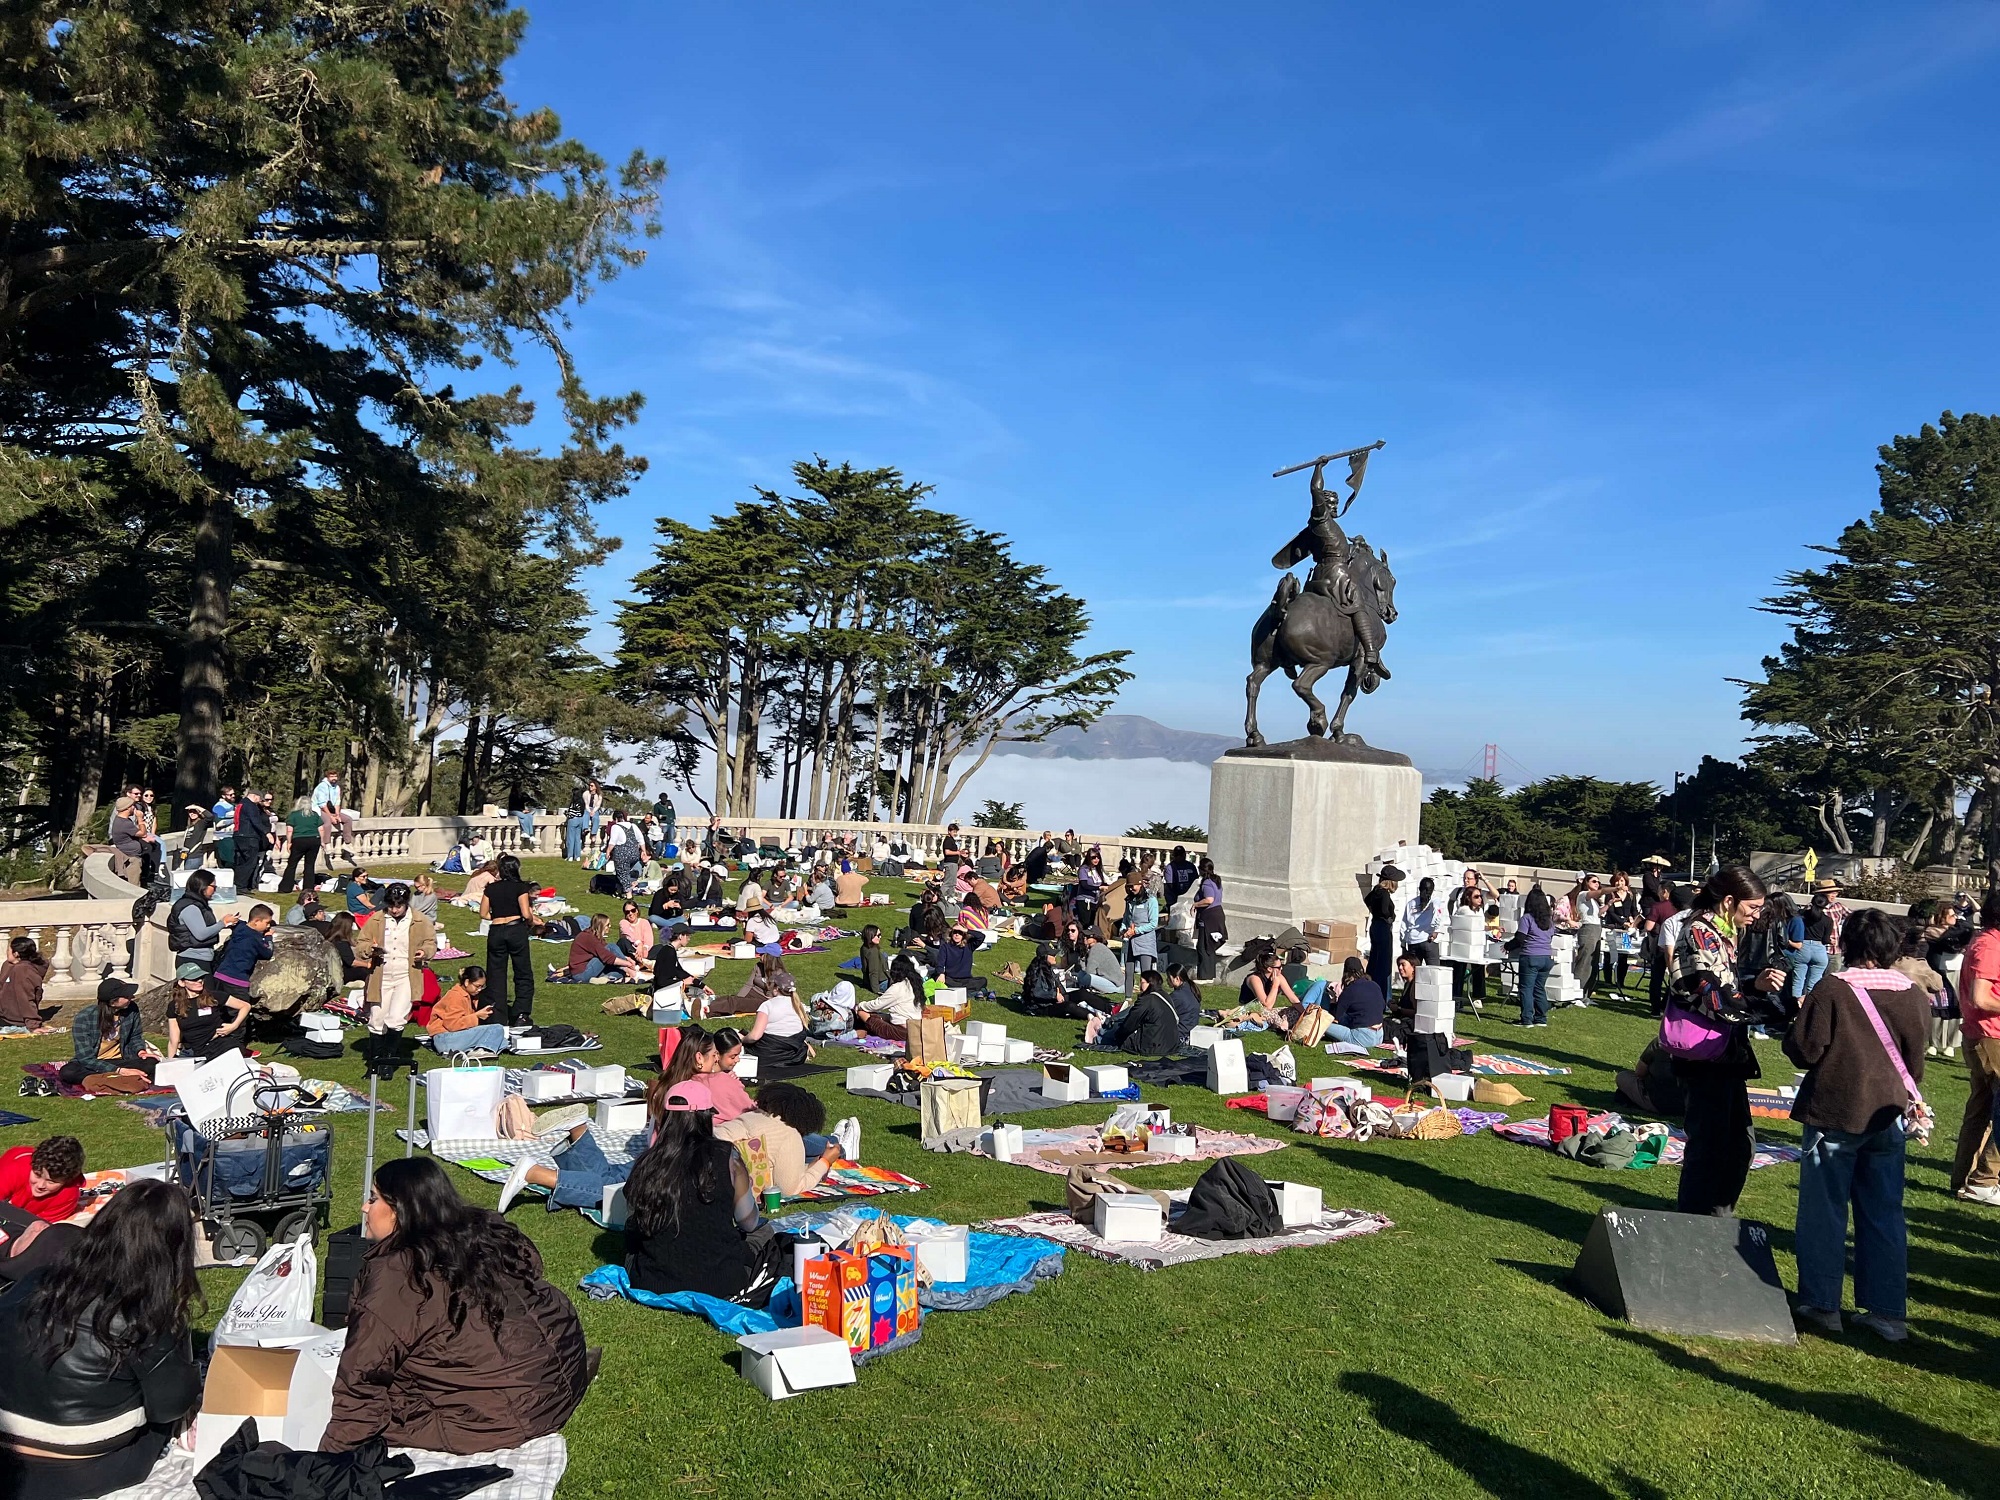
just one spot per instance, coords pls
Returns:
(1340, 618)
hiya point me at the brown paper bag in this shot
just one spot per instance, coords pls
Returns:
(926, 1035)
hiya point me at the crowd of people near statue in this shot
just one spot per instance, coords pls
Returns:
(459, 1343)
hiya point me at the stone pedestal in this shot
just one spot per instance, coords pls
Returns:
(1291, 828)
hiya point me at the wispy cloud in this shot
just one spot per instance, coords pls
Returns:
(1769, 105)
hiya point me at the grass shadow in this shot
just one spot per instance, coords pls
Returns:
(1500, 1468)
(1482, 1198)
(1934, 1454)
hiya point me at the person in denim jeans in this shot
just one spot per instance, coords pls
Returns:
(1807, 935)
(1851, 1106)
(1537, 933)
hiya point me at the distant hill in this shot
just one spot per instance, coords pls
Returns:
(1125, 737)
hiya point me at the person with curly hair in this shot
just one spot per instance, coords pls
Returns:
(456, 1342)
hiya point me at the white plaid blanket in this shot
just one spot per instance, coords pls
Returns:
(537, 1466)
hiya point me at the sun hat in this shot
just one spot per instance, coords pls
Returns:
(1391, 872)
(686, 1098)
(1826, 885)
(1656, 859)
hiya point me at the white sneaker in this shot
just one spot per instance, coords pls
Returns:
(517, 1180)
(1986, 1195)
(1895, 1330)
(848, 1133)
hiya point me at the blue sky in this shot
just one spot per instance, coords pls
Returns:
(1631, 292)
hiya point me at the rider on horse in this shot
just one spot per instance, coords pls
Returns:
(1332, 553)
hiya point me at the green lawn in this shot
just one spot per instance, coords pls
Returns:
(1442, 1357)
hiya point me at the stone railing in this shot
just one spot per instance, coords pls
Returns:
(84, 939)
(927, 839)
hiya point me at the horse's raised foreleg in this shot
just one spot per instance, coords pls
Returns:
(1347, 695)
(1309, 674)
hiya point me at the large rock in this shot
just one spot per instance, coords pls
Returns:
(302, 969)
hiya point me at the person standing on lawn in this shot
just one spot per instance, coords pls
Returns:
(1381, 904)
(1707, 1029)
(305, 825)
(507, 911)
(1975, 1167)
(1860, 1037)
(394, 944)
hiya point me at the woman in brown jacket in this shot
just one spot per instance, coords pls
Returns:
(455, 1341)
(22, 978)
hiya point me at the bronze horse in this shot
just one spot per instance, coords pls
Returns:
(1307, 635)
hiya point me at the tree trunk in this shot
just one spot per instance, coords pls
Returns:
(875, 765)
(93, 743)
(1836, 825)
(199, 744)
(468, 760)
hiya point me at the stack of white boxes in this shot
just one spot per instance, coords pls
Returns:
(1563, 987)
(1465, 943)
(990, 1038)
(1435, 1011)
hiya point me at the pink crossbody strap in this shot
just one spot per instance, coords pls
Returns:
(1882, 1034)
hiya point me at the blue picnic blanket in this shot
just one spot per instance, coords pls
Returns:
(997, 1265)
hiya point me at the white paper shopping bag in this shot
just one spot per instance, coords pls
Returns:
(460, 1103)
(220, 1087)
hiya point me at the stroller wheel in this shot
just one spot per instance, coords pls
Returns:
(236, 1239)
(299, 1223)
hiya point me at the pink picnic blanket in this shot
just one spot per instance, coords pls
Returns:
(1536, 1133)
(1057, 1150)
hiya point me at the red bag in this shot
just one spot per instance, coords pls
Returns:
(1566, 1120)
(433, 992)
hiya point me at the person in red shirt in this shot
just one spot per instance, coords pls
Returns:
(1975, 1169)
(40, 1182)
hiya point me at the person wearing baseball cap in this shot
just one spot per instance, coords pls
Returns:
(691, 1223)
(109, 1036)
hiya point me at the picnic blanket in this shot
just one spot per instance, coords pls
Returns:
(492, 1159)
(98, 1188)
(877, 1046)
(1172, 1249)
(997, 1266)
(9, 1117)
(1015, 1091)
(338, 1100)
(1536, 1133)
(1484, 1065)
(538, 1467)
(1056, 1151)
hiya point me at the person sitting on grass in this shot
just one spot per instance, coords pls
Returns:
(691, 1211)
(850, 889)
(22, 978)
(592, 959)
(99, 1374)
(460, 1022)
(456, 1341)
(340, 937)
(768, 978)
(1185, 997)
(777, 1036)
(1358, 1011)
(951, 962)
(109, 1036)
(718, 1071)
(784, 1137)
(42, 1182)
(1096, 969)
(1265, 1000)
(1650, 1083)
(204, 1022)
(1147, 1027)
(582, 1171)
(874, 962)
(761, 931)
(1042, 992)
(889, 1014)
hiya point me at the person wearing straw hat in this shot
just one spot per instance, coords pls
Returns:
(1826, 896)
(1654, 885)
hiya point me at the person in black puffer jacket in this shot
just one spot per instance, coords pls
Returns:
(99, 1371)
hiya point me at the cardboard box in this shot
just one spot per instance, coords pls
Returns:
(614, 1208)
(1201, 1038)
(790, 1360)
(621, 1117)
(1453, 1088)
(1018, 1049)
(955, 998)
(983, 1031)
(1227, 1072)
(871, 1076)
(1129, 1218)
(1172, 1141)
(287, 1392)
(943, 1252)
(1298, 1203)
(1061, 1081)
(1106, 1077)
(607, 1081)
(746, 1066)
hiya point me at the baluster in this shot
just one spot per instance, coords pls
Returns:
(63, 956)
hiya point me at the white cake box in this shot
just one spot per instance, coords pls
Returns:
(1061, 1081)
(1227, 1072)
(1018, 1049)
(787, 1361)
(983, 1031)
(1453, 1088)
(1200, 1038)
(746, 1066)
(991, 1051)
(1129, 1218)
(614, 1209)
(606, 1081)
(955, 997)
(1003, 1142)
(1106, 1077)
(535, 1087)
(617, 1117)
(1179, 1142)
(871, 1076)
(1298, 1204)
(944, 1251)
(742, 950)
(959, 1048)
(1435, 1019)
